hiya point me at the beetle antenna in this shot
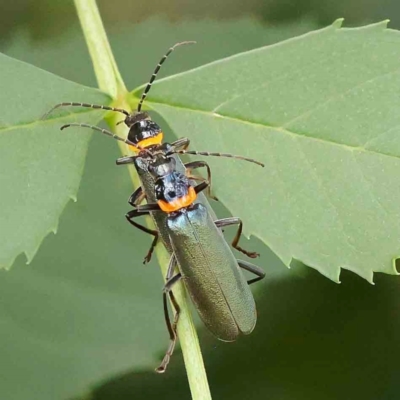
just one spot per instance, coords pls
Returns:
(96, 106)
(206, 153)
(96, 128)
(153, 76)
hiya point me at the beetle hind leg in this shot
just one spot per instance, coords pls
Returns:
(254, 269)
(173, 336)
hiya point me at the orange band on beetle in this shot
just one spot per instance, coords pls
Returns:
(176, 205)
(151, 141)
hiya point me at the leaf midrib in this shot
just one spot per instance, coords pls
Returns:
(280, 129)
(285, 131)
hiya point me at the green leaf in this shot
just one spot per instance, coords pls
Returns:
(40, 166)
(68, 57)
(322, 112)
(86, 309)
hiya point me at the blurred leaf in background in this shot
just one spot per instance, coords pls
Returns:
(45, 19)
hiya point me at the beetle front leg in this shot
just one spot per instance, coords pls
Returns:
(137, 197)
(138, 213)
(125, 160)
(181, 144)
(200, 164)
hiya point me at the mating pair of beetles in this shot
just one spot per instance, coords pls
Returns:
(187, 225)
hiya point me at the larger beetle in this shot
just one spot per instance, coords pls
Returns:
(206, 263)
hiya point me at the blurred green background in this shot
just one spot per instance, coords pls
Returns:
(86, 315)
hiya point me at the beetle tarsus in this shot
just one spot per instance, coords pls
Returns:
(251, 254)
(173, 336)
(147, 259)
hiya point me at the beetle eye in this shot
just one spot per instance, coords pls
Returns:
(172, 194)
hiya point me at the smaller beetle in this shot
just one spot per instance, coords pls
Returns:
(206, 263)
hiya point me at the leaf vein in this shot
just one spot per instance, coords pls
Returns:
(277, 78)
(279, 129)
(368, 185)
(338, 95)
(314, 172)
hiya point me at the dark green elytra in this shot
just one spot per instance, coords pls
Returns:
(211, 273)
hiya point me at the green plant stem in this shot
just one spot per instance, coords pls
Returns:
(186, 330)
(108, 77)
(110, 81)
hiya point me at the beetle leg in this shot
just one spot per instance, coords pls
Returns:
(232, 221)
(170, 281)
(200, 187)
(253, 269)
(137, 197)
(138, 213)
(181, 144)
(199, 164)
(171, 327)
(125, 160)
